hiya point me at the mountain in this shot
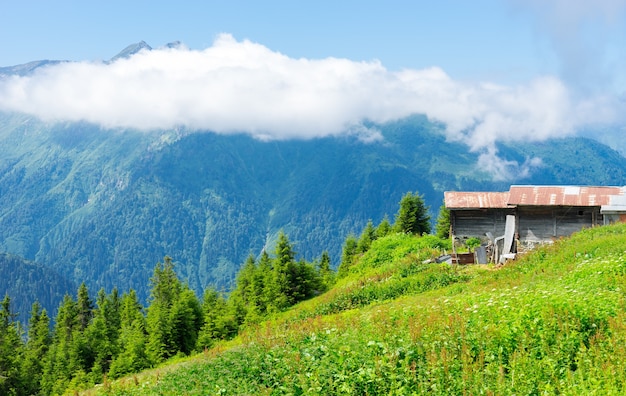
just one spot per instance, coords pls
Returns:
(131, 50)
(27, 68)
(105, 206)
(26, 282)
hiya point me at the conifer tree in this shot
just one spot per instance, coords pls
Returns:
(266, 272)
(84, 307)
(347, 255)
(412, 216)
(384, 228)
(165, 291)
(443, 223)
(174, 315)
(307, 282)
(10, 350)
(217, 324)
(257, 303)
(132, 339)
(37, 345)
(283, 270)
(326, 274)
(242, 298)
(102, 334)
(185, 319)
(367, 237)
(62, 360)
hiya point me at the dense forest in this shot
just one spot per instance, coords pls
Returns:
(112, 335)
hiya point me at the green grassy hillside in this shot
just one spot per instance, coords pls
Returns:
(553, 322)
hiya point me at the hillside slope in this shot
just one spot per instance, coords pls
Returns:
(104, 206)
(552, 322)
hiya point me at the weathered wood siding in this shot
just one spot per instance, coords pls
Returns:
(475, 223)
(543, 224)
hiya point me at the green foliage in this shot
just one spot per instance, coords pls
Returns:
(102, 208)
(367, 237)
(442, 228)
(384, 228)
(132, 338)
(174, 315)
(472, 243)
(551, 323)
(10, 350)
(350, 249)
(326, 274)
(412, 216)
(217, 324)
(36, 348)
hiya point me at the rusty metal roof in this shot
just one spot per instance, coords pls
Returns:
(475, 200)
(562, 195)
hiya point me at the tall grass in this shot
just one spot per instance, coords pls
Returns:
(553, 322)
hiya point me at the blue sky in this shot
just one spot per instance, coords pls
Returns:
(490, 70)
(481, 39)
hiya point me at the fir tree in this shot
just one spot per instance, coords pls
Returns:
(326, 274)
(283, 273)
(37, 345)
(443, 223)
(132, 339)
(242, 298)
(384, 228)
(367, 237)
(11, 349)
(347, 255)
(217, 324)
(412, 216)
(165, 291)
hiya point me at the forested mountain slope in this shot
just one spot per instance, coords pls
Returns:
(103, 206)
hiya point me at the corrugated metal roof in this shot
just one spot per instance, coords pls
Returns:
(562, 195)
(475, 200)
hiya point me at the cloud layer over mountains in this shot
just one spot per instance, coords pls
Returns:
(240, 86)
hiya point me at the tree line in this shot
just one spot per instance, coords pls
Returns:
(90, 340)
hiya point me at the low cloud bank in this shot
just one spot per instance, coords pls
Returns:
(240, 86)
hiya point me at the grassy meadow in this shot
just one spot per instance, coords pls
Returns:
(552, 322)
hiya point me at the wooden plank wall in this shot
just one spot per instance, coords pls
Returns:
(545, 224)
(475, 223)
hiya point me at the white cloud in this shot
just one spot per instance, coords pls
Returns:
(240, 86)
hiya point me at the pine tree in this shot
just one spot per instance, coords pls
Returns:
(347, 256)
(37, 345)
(102, 335)
(62, 359)
(367, 237)
(132, 339)
(242, 298)
(11, 349)
(165, 291)
(412, 216)
(326, 274)
(308, 282)
(384, 228)
(217, 324)
(84, 307)
(283, 273)
(174, 315)
(185, 319)
(266, 272)
(443, 223)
